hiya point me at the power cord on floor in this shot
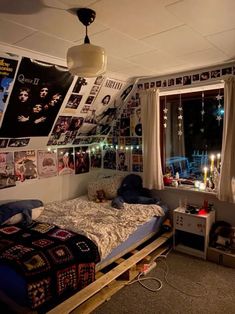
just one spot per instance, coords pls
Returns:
(140, 280)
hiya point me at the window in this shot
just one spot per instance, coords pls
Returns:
(192, 126)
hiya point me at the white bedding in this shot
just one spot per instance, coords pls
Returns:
(103, 224)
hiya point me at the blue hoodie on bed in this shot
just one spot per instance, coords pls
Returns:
(132, 191)
(24, 207)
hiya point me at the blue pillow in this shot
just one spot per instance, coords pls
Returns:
(24, 207)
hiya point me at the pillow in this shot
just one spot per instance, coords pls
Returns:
(109, 185)
(22, 207)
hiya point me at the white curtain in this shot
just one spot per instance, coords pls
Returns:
(226, 188)
(150, 115)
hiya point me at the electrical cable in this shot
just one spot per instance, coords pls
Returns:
(166, 272)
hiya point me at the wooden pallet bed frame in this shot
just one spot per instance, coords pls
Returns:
(106, 284)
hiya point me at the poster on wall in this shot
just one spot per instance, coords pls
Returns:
(47, 163)
(7, 171)
(7, 73)
(123, 160)
(109, 159)
(96, 157)
(36, 98)
(25, 165)
(65, 157)
(82, 162)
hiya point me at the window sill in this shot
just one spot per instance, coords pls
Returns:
(191, 188)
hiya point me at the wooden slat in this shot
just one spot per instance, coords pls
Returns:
(87, 292)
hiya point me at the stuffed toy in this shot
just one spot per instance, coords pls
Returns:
(100, 196)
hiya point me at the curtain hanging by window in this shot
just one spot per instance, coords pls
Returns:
(226, 190)
(152, 168)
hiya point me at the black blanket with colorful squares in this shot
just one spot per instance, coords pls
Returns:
(54, 262)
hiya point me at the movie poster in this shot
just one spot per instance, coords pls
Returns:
(82, 161)
(7, 73)
(7, 171)
(25, 165)
(65, 157)
(36, 99)
(47, 163)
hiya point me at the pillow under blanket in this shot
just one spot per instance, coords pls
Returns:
(24, 207)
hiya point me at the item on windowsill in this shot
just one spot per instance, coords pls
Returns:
(174, 183)
(167, 180)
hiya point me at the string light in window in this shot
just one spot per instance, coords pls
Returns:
(165, 110)
(203, 103)
(220, 110)
(180, 118)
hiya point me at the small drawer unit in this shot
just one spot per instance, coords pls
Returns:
(191, 232)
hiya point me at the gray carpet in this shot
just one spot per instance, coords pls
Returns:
(215, 294)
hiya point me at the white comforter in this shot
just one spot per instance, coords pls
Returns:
(103, 224)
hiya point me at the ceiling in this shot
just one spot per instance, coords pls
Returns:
(141, 37)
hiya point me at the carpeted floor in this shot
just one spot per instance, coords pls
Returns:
(214, 295)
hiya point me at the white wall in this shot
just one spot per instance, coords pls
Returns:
(50, 189)
(172, 197)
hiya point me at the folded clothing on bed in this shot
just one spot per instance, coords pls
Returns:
(54, 262)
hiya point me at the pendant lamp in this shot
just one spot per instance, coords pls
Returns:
(86, 60)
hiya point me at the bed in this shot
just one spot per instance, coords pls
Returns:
(106, 232)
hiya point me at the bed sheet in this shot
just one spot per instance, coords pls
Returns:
(105, 225)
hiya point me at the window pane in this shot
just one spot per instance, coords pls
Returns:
(192, 126)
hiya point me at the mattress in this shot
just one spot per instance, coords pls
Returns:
(14, 285)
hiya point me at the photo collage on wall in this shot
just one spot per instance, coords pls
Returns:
(190, 79)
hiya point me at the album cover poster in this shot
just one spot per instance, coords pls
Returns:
(25, 165)
(7, 73)
(7, 171)
(47, 163)
(36, 99)
(65, 158)
(82, 161)
(109, 159)
(123, 160)
(96, 157)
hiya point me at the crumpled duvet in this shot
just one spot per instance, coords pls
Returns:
(106, 226)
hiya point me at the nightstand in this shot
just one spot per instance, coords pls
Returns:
(191, 232)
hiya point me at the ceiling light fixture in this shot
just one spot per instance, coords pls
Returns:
(86, 60)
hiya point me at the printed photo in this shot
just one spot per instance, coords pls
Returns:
(65, 159)
(46, 163)
(74, 101)
(18, 142)
(204, 76)
(81, 81)
(7, 171)
(96, 157)
(123, 160)
(3, 142)
(25, 165)
(82, 161)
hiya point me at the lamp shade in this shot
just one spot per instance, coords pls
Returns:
(86, 60)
